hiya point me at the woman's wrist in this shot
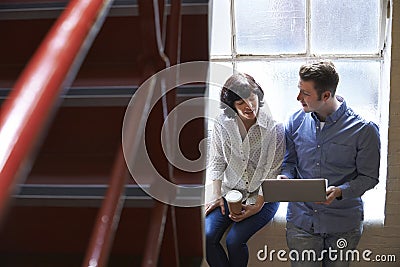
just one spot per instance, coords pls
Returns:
(216, 199)
(217, 196)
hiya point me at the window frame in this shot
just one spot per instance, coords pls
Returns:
(381, 56)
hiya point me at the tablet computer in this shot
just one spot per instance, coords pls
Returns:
(294, 190)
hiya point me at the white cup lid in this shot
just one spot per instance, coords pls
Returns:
(233, 196)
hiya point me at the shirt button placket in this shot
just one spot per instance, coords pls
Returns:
(241, 154)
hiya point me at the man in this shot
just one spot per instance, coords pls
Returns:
(326, 139)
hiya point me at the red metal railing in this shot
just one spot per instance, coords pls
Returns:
(109, 214)
(33, 99)
(108, 217)
(161, 211)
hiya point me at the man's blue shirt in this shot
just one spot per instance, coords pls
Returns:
(346, 151)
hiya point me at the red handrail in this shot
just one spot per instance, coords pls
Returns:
(30, 105)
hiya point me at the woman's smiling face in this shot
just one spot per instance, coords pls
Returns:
(247, 108)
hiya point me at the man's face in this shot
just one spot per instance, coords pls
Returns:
(308, 97)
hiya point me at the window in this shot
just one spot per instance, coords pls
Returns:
(270, 39)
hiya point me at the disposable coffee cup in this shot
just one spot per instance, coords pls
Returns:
(234, 199)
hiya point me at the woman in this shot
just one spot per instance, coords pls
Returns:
(247, 146)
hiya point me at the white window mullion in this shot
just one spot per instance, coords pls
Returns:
(233, 34)
(308, 28)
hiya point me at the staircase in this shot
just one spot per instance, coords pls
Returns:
(73, 202)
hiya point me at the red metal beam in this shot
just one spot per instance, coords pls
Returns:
(153, 25)
(173, 51)
(32, 101)
(169, 253)
(155, 235)
(174, 33)
(108, 217)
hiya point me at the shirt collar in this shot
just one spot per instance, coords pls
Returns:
(335, 115)
(262, 119)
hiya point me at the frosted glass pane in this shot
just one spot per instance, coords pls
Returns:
(217, 79)
(359, 85)
(343, 26)
(220, 28)
(270, 26)
(279, 81)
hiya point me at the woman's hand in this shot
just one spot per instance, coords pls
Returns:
(216, 203)
(247, 211)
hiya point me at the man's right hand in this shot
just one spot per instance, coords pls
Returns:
(282, 177)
